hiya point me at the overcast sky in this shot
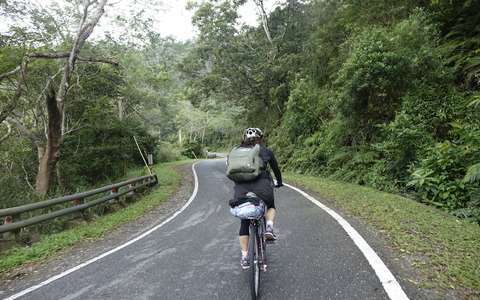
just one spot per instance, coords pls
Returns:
(174, 19)
(177, 20)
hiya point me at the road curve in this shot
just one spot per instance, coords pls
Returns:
(195, 255)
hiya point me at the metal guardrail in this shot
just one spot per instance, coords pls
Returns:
(12, 215)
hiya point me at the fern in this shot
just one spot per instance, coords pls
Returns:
(364, 157)
(473, 173)
(475, 102)
(341, 156)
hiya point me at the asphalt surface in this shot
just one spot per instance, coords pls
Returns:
(196, 255)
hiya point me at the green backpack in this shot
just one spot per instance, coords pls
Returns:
(244, 163)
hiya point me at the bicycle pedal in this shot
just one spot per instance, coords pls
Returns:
(271, 242)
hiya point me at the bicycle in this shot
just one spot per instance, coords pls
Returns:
(257, 253)
(253, 209)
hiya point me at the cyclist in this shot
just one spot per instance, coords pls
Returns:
(262, 187)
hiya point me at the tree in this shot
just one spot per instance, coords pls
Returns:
(55, 97)
(247, 66)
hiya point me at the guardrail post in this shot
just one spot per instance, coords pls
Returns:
(78, 214)
(151, 180)
(131, 185)
(131, 196)
(11, 235)
(113, 191)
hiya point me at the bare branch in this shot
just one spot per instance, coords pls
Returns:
(18, 92)
(8, 74)
(83, 33)
(78, 57)
(87, 28)
(9, 131)
(34, 137)
(52, 19)
(26, 177)
(263, 14)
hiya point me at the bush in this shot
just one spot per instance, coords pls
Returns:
(441, 177)
(14, 191)
(103, 151)
(192, 149)
(167, 152)
(382, 66)
(18, 167)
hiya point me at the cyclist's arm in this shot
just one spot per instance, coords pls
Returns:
(276, 170)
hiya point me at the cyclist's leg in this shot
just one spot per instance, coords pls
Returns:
(270, 215)
(269, 218)
(271, 210)
(243, 234)
(243, 237)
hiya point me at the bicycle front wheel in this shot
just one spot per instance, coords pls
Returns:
(254, 263)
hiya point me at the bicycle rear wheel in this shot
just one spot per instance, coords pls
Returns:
(254, 263)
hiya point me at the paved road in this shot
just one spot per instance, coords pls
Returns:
(196, 256)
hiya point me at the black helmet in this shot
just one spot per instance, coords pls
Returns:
(252, 133)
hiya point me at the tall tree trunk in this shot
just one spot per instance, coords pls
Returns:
(52, 150)
(56, 101)
(121, 108)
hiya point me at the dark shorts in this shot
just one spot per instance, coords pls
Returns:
(262, 187)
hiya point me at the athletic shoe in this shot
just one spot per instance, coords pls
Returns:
(244, 262)
(269, 233)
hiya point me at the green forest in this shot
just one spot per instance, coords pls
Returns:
(380, 93)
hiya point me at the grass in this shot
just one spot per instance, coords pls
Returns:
(58, 244)
(444, 250)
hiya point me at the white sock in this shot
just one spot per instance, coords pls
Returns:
(270, 223)
(244, 253)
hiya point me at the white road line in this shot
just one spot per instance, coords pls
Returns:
(390, 284)
(52, 279)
